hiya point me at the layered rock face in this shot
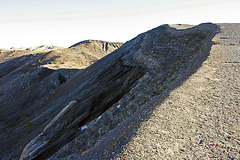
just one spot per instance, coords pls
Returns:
(105, 94)
(28, 77)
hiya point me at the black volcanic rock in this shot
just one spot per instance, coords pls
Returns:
(151, 64)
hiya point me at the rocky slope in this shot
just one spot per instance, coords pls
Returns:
(115, 87)
(28, 77)
(199, 119)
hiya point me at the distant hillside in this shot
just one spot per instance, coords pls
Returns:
(78, 56)
(8, 54)
(81, 55)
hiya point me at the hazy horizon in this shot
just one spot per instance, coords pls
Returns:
(26, 23)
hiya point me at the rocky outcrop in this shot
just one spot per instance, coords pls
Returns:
(26, 82)
(106, 93)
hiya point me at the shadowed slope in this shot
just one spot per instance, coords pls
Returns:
(27, 79)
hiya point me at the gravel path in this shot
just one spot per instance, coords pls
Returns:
(201, 118)
(198, 120)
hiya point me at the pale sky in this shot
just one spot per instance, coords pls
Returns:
(28, 23)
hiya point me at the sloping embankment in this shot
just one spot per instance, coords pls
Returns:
(151, 65)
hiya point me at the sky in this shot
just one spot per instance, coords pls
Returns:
(28, 23)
